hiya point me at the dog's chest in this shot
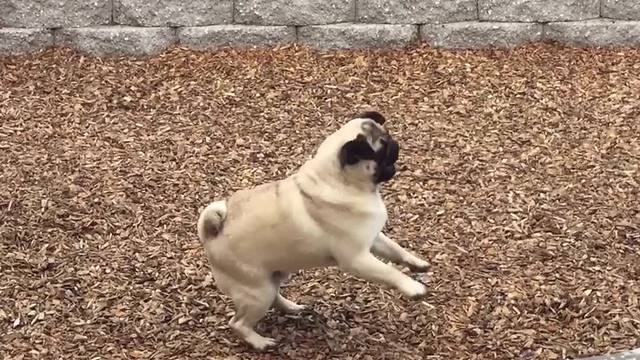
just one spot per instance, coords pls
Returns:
(366, 225)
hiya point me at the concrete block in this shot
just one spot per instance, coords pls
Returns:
(15, 41)
(416, 12)
(208, 37)
(172, 12)
(54, 13)
(356, 36)
(621, 9)
(477, 35)
(600, 33)
(298, 12)
(117, 40)
(538, 10)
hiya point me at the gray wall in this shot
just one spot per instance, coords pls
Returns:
(103, 27)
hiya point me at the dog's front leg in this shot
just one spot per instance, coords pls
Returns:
(368, 267)
(389, 250)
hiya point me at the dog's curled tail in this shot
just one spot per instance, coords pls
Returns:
(211, 220)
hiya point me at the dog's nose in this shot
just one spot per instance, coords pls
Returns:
(392, 151)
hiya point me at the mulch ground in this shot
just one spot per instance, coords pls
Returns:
(518, 181)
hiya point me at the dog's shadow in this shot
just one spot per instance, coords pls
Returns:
(307, 325)
(308, 332)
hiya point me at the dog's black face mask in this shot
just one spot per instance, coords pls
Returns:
(360, 149)
(385, 158)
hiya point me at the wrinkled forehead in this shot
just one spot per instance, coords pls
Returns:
(364, 127)
(367, 127)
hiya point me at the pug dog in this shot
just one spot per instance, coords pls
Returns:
(329, 213)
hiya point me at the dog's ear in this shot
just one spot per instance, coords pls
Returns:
(373, 115)
(356, 150)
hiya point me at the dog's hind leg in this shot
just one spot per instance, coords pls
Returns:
(252, 305)
(392, 251)
(281, 302)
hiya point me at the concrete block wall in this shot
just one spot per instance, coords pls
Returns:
(145, 27)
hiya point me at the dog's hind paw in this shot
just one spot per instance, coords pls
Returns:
(294, 308)
(288, 306)
(259, 342)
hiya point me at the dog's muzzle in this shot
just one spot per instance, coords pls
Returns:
(386, 159)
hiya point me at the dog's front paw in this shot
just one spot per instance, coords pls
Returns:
(414, 290)
(418, 265)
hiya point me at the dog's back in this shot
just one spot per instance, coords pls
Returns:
(267, 227)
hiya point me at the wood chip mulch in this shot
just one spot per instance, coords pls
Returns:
(518, 181)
